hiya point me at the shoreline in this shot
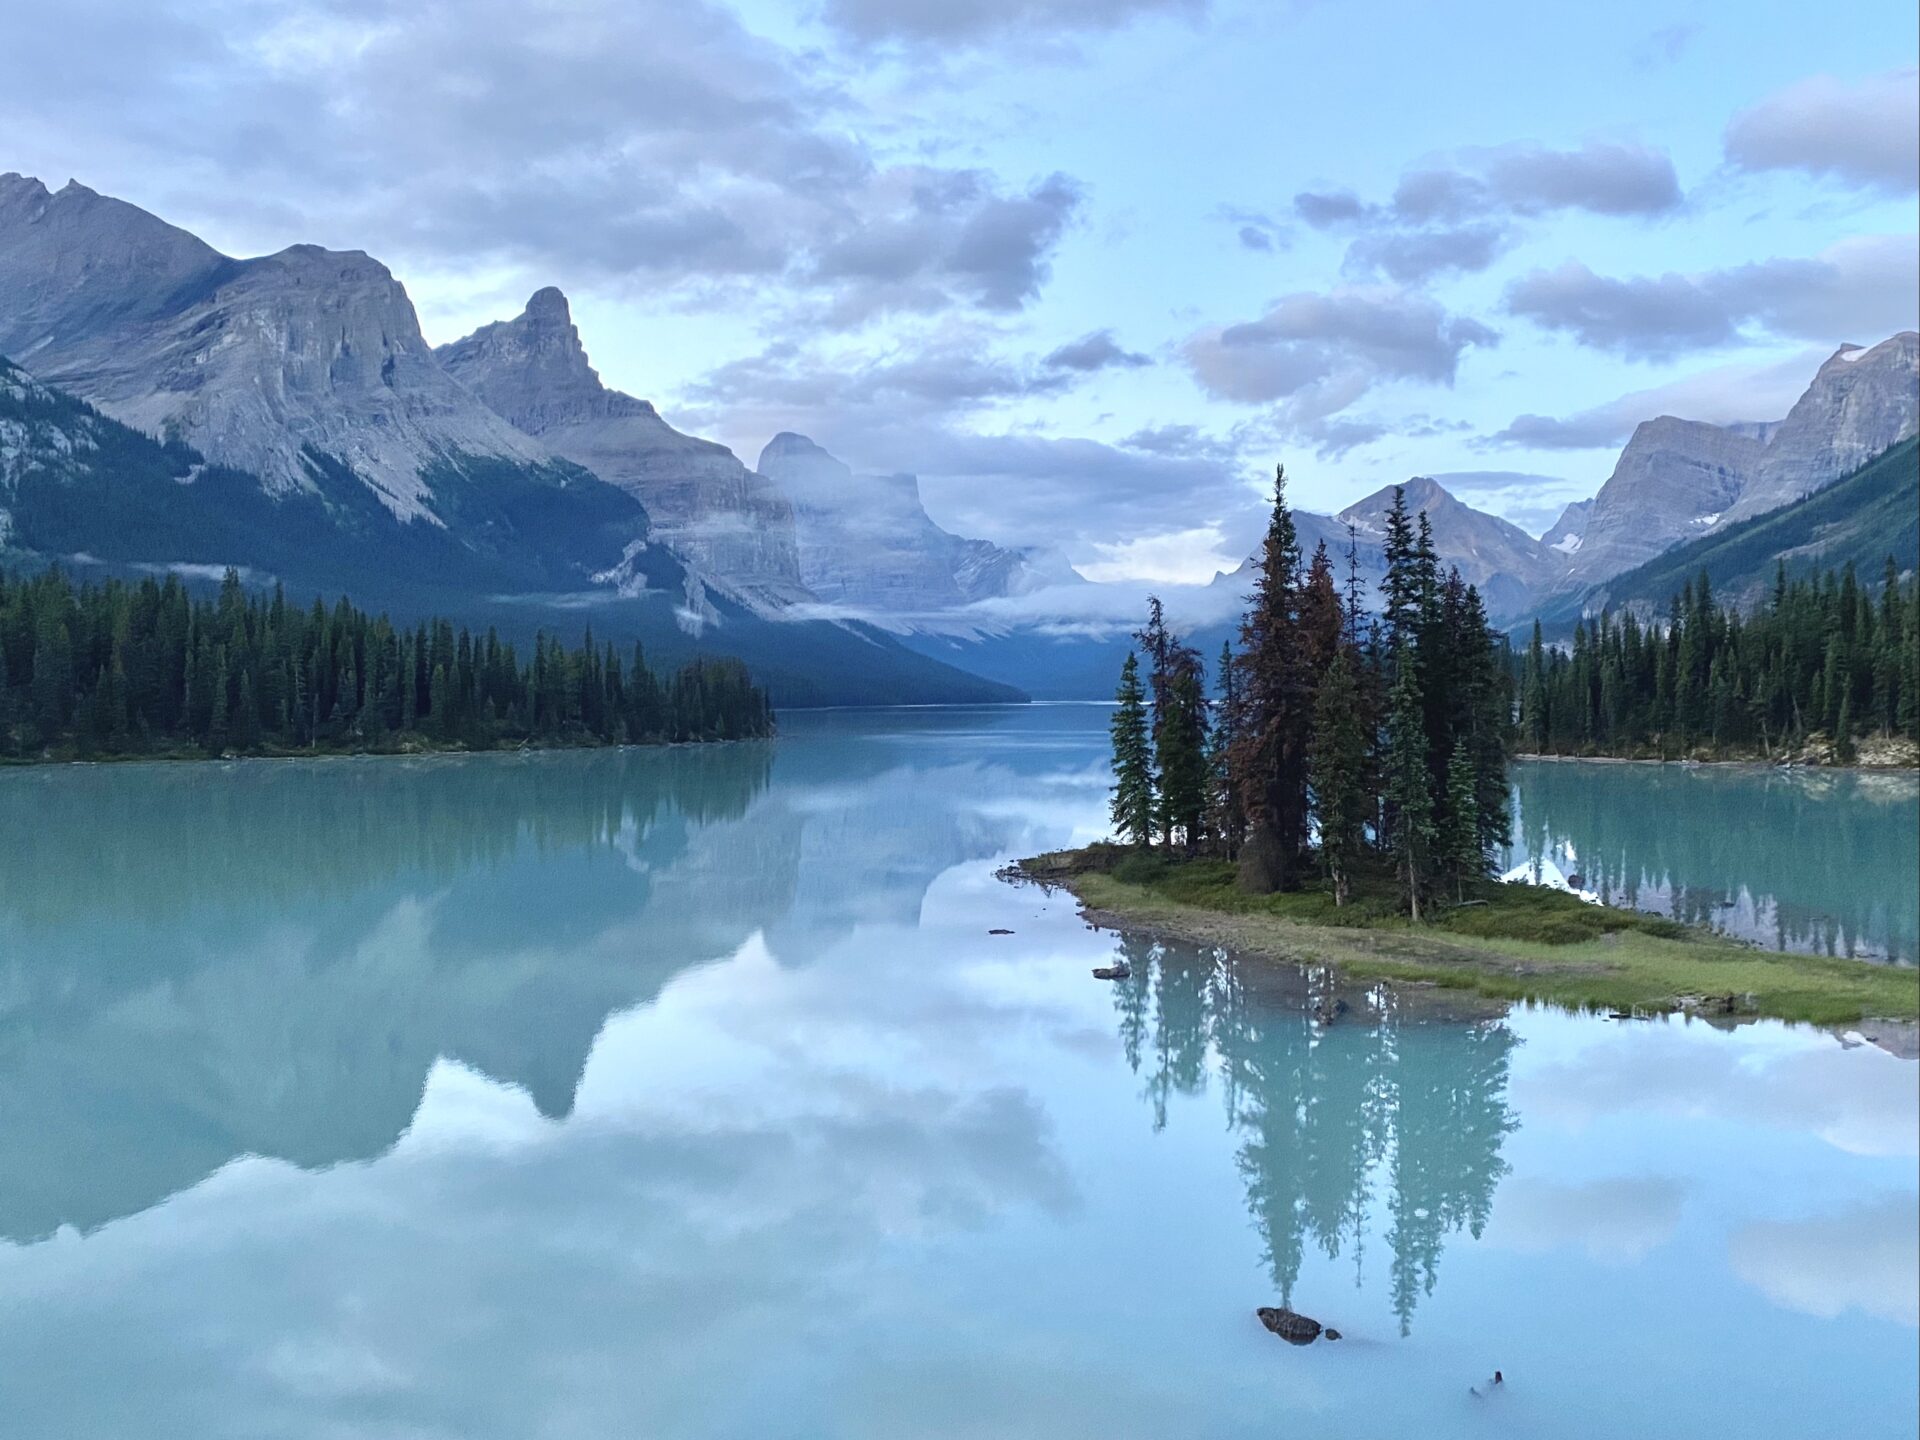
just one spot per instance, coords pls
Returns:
(1787, 766)
(431, 752)
(1642, 966)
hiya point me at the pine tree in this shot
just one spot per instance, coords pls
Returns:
(1272, 727)
(1132, 807)
(1458, 847)
(1409, 782)
(1182, 750)
(1229, 820)
(1339, 774)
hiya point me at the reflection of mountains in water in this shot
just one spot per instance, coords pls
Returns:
(1333, 1120)
(201, 962)
(1813, 862)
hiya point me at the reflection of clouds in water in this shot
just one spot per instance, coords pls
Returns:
(1617, 1221)
(1866, 1259)
(1863, 1102)
(608, 1279)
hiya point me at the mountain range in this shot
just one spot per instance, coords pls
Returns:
(166, 406)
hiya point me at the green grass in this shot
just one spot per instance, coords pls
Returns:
(1509, 942)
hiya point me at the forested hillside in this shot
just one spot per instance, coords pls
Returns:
(147, 669)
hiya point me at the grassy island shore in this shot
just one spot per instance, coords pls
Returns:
(1504, 942)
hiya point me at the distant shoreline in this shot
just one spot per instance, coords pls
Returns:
(1740, 764)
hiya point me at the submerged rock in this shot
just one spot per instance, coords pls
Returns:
(999, 930)
(1112, 972)
(1289, 1325)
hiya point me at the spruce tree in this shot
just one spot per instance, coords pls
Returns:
(1132, 807)
(1338, 758)
(1229, 820)
(1408, 782)
(1459, 841)
(1272, 727)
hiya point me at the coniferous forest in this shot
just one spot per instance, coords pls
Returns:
(147, 669)
(1825, 657)
(1337, 742)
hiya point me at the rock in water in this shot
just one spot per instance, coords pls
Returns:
(1111, 972)
(1289, 1325)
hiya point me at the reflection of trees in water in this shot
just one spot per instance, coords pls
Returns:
(1824, 863)
(162, 841)
(1327, 1115)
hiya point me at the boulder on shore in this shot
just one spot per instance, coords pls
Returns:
(1289, 1325)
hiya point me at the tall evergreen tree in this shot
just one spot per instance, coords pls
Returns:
(1341, 797)
(1409, 782)
(1271, 729)
(1132, 807)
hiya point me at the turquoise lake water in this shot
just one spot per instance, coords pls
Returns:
(685, 1093)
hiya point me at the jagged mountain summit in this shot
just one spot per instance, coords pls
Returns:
(280, 365)
(867, 542)
(733, 525)
(1507, 564)
(1681, 480)
(1674, 480)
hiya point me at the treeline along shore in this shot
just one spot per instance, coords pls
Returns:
(119, 670)
(1827, 671)
(1337, 795)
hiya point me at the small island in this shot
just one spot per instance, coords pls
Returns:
(1340, 801)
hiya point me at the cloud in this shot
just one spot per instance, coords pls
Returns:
(640, 144)
(1317, 355)
(1171, 557)
(1409, 257)
(1097, 351)
(928, 406)
(1722, 395)
(1863, 1260)
(1865, 134)
(1456, 215)
(1867, 286)
(926, 23)
(1616, 1222)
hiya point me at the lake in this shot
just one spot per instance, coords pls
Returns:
(1814, 861)
(686, 1093)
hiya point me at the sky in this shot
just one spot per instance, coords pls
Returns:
(1090, 268)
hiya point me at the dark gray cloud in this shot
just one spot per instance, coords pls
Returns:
(922, 23)
(650, 144)
(1098, 351)
(1313, 357)
(1866, 287)
(1337, 340)
(1457, 216)
(1866, 134)
(1328, 209)
(1412, 256)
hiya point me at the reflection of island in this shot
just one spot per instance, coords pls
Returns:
(201, 962)
(1821, 863)
(1321, 1109)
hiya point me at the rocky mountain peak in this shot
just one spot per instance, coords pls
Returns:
(734, 526)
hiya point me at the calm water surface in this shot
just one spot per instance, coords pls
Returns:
(1820, 862)
(685, 1094)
